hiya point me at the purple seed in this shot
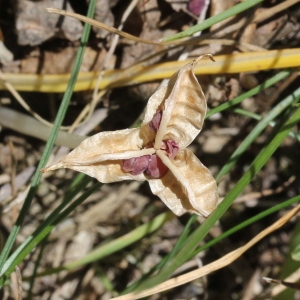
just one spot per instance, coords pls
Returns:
(172, 148)
(136, 165)
(156, 168)
(155, 122)
(196, 6)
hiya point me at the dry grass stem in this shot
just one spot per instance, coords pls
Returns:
(101, 25)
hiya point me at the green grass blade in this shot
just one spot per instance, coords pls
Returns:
(279, 108)
(258, 118)
(50, 143)
(198, 235)
(213, 20)
(36, 265)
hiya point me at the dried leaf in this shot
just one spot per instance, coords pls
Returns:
(156, 151)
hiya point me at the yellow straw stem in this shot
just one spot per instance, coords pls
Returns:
(230, 63)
